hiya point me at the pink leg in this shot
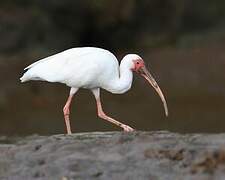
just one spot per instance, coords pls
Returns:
(102, 115)
(66, 110)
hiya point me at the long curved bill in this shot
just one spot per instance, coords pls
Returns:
(146, 74)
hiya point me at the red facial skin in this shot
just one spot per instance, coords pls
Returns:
(138, 63)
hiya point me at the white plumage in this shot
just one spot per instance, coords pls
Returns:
(77, 67)
(92, 68)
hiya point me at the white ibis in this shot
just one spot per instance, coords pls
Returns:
(91, 68)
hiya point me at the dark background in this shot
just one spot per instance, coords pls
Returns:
(182, 42)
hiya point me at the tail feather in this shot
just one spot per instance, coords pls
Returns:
(27, 76)
(36, 71)
(24, 78)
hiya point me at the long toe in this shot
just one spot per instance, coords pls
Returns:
(127, 128)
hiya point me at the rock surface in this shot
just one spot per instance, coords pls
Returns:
(114, 155)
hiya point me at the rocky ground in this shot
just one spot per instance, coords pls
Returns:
(114, 155)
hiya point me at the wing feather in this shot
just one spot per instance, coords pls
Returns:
(61, 66)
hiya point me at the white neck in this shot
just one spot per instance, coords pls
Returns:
(123, 82)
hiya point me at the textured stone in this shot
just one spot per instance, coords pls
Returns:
(114, 155)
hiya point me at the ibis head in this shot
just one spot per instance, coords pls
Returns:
(140, 68)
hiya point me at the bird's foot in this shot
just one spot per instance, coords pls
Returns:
(127, 128)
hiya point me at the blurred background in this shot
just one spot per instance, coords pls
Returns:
(182, 42)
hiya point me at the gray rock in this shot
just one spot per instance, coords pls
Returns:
(114, 155)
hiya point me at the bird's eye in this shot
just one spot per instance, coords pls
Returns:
(137, 62)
